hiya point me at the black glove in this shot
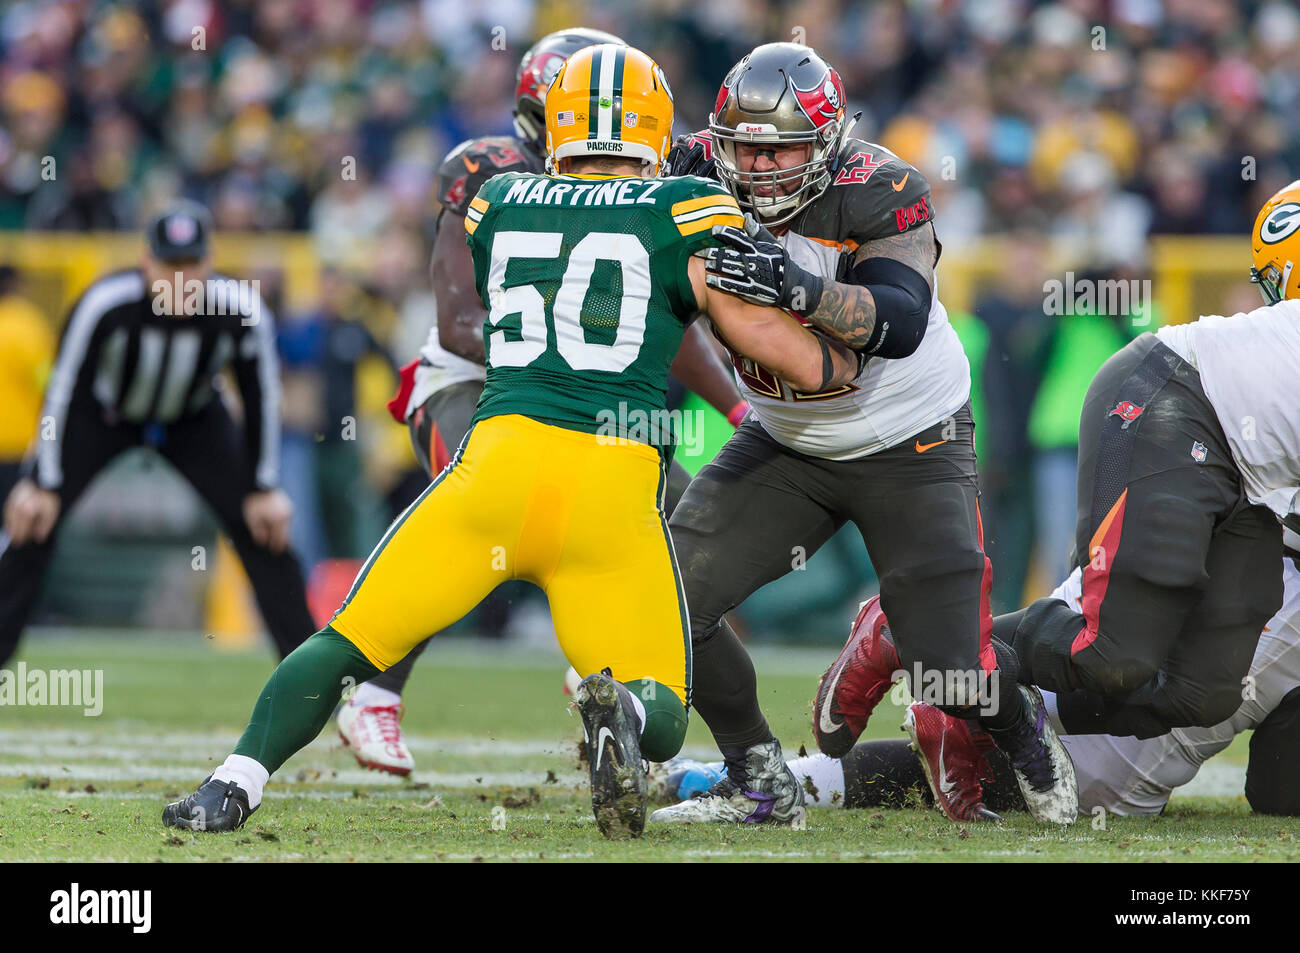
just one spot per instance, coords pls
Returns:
(751, 264)
(687, 159)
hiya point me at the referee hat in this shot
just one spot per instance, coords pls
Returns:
(180, 232)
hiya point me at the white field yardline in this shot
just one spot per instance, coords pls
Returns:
(125, 773)
(55, 794)
(46, 750)
(1215, 779)
(155, 753)
(93, 745)
(92, 742)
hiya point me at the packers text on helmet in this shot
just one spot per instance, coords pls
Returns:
(609, 101)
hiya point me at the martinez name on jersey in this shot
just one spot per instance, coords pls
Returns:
(630, 239)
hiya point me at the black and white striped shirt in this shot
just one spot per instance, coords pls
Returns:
(142, 367)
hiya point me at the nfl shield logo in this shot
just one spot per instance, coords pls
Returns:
(180, 229)
(629, 120)
(1198, 451)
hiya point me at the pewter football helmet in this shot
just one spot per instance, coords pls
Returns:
(780, 94)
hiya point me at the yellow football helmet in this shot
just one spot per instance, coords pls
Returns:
(609, 100)
(1275, 246)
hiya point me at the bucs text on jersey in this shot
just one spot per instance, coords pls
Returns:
(873, 194)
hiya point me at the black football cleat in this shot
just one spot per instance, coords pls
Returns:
(618, 777)
(1043, 767)
(217, 807)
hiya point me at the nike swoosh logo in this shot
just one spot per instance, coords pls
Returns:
(824, 716)
(922, 447)
(898, 186)
(600, 745)
(473, 166)
(945, 786)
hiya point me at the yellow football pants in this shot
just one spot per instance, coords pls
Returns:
(579, 517)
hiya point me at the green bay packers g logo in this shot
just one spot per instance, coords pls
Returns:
(1281, 223)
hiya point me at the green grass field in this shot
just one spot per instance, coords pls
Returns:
(490, 730)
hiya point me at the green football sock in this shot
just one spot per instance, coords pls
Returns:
(665, 719)
(300, 697)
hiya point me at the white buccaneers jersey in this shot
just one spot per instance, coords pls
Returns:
(1136, 776)
(872, 195)
(888, 402)
(1249, 365)
(439, 368)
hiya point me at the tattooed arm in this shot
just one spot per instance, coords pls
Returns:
(849, 311)
(881, 311)
(807, 361)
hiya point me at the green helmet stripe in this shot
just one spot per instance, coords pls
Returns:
(593, 108)
(617, 124)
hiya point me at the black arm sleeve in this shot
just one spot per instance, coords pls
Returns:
(257, 372)
(902, 306)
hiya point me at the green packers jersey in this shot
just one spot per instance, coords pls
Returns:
(586, 286)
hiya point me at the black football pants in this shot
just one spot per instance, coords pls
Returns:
(761, 510)
(1180, 571)
(209, 451)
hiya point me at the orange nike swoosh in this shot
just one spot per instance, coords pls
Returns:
(922, 447)
(898, 186)
(473, 166)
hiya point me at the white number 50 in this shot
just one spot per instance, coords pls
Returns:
(566, 316)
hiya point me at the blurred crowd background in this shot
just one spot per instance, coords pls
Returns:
(1069, 136)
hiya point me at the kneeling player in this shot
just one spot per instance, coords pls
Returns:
(955, 767)
(589, 280)
(968, 780)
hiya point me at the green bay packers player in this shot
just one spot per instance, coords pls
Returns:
(442, 387)
(590, 276)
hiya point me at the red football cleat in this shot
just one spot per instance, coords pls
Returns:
(855, 683)
(952, 754)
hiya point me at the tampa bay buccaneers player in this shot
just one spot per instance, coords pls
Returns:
(441, 388)
(839, 233)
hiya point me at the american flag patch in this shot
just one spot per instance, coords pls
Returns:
(564, 118)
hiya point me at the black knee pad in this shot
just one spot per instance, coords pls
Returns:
(946, 566)
(1044, 642)
(1188, 705)
(1112, 676)
(1164, 541)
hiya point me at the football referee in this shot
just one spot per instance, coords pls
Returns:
(140, 364)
